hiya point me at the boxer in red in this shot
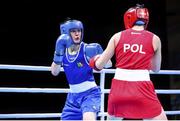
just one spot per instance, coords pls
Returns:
(137, 51)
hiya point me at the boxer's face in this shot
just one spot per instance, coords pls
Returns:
(76, 35)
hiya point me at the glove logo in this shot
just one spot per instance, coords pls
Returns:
(79, 64)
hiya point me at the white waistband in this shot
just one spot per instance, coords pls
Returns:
(77, 88)
(132, 75)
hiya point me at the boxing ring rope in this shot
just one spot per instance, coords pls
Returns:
(102, 73)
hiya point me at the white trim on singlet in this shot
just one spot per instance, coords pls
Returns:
(76, 54)
(77, 88)
(85, 56)
(131, 75)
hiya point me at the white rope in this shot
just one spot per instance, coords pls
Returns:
(55, 90)
(24, 67)
(65, 90)
(54, 115)
(47, 68)
(30, 115)
(33, 90)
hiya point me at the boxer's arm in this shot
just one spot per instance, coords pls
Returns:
(108, 52)
(63, 42)
(156, 60)
(94, 50)
(55, 69)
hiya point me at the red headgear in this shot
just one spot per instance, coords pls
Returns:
(134, 14)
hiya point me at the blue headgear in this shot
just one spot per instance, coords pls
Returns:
(71, 24)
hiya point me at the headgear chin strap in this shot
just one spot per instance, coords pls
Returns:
(137, 15)
(139, 22)
(72, 24)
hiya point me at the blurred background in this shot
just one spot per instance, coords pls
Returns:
(29, 29)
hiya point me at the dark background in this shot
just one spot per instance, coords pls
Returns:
(29, 29)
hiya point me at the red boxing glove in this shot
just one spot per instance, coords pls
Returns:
(92, 62)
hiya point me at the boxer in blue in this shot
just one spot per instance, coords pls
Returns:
(71, 53)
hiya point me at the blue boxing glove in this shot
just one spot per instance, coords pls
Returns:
(93, 49)
(64, 41)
